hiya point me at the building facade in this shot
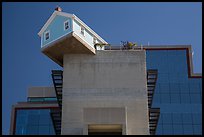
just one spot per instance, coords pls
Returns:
(106, 89)
(178, 91)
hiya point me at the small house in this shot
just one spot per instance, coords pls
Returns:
(65, 33)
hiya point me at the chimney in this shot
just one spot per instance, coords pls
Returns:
(58, 9)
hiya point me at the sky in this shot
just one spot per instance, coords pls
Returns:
(24, 66)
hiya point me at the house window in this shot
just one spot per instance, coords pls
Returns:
(94, 40)
(47, 35)
(82, 31)
(66, 25)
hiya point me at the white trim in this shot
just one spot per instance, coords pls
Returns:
(67, 21)
(41, 41)
(45, 35)
(73, 17)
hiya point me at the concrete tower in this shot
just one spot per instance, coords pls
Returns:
(102, 91)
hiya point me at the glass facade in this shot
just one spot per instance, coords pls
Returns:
(34, 122)
(178, 97)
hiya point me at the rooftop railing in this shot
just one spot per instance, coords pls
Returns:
(124, 46)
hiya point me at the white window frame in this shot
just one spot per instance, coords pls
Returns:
(67, 21)
(45, 35)
(82, 28)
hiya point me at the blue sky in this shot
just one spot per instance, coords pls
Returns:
(23, 64)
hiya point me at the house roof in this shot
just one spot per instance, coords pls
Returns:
(55, 13)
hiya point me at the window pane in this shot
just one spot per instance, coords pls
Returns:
(197, 129)
(187, 129)
(164, 88)
(167, 129)
(32, 130)
(175, 98)
(44, 130)
(197, 118)
(20, 130)
(187, 119)
(165, 98)
(184, 88)
(195, 98)
(21, 120)
(44, 120)
(177, 118)
(178, 129)
(167, 118)
(185, 98)
(66, 25)
(33, 119)
(175, 88)
(194, 88)
(47, 36)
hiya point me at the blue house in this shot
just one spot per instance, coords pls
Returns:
(65, 33)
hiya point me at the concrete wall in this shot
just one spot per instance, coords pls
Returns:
(41, 92)
(109, 79)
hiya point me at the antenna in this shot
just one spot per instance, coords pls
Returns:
(148, 43)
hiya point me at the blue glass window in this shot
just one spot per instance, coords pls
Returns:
(21, 120)
(44, 120)
(167, 129)
(184, 88)
(197, 129)
(167, 118)
(187, 129)
(175, 98)
(185, 98)
(175, 88)
(165, 98)
(32, 130)
(163, 77)
(34, 122)
(194, 88)
(177, 118)
(178, 129)
(44, 130)
(187, 118)
(195, 98)
(20, 130)
(33, 119)
(164, 88)
(179, 94)
(197, 118)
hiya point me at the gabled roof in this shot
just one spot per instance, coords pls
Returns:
(55, 13)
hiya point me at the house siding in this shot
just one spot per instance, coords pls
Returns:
(56, 29)
(88, 37)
